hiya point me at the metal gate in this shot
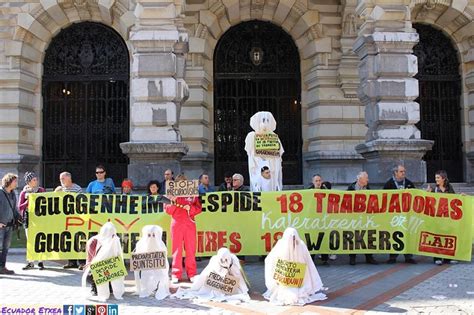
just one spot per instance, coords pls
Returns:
(85, 103)
(440, 92)
(256, 68)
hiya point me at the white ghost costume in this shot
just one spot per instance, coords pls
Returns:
(223, 263)
(263, 123)
(108, 246)
(149, 281)
(291, 248)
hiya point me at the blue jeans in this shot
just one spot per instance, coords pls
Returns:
(5, 240)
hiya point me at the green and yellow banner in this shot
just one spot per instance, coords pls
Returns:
(329, 221)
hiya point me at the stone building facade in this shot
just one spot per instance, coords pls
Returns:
(358, 80)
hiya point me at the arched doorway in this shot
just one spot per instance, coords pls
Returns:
(85, 103)
(440, 109)
(256, 68)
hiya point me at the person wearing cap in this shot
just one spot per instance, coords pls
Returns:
(31, 187)
(127, 186)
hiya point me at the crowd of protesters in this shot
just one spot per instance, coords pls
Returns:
(14, 213)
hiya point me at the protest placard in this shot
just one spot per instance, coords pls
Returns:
(107, 270)
(182, 188)
(227, 284)
(267, 144)
(148, 261)
(289, 273)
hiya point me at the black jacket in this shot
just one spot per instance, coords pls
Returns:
(353, 186)
(242, 188)
(390, 184)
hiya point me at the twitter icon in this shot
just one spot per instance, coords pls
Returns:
(79, 310)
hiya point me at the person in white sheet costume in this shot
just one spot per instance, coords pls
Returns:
(291, 248)
(262, 123)
(100, 247)
(223, 263)
(149, 281)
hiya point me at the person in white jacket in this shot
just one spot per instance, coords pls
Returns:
(152, 281)
(291, 248)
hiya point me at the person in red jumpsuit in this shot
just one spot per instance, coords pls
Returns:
(183, 234)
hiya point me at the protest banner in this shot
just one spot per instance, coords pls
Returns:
(182, 188)
(250, 223)
(107, 270)
(267, 144)
(148, 261)
(227, 284)
(289, 273)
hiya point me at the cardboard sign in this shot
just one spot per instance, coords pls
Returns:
(227, 285)
(289, 273)
(148, 261)
(107, 270)
(182, 188)
(267, 144)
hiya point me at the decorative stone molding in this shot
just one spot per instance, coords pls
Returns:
(388, 90)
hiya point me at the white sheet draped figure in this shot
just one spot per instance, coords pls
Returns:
(108, 245)
(152, 281)
(263, 123)
(223, 263)
(291, 248)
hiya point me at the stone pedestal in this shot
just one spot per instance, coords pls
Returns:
(19, 164)
(158, 90)
(388, 89)
(381, 155)
(149, 160)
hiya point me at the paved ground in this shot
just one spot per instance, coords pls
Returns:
(396, 289)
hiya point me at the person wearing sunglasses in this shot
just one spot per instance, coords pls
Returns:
(101, 185)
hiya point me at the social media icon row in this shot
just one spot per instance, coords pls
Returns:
(110, 309)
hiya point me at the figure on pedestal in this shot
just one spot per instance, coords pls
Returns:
(264, 148)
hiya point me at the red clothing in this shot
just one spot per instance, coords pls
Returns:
(91, 249)
(183, 233)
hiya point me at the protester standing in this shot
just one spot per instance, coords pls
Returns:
(227, 184)
(153, 188)
(399, 181)
(101, 185)
(67, 185)
(31, 187)
(443, 186)
(9, 217)
(317, 183)
(183, 233)
(204, 186)
(127, 186)
(362, 183)
(238, 183)
(167, 176)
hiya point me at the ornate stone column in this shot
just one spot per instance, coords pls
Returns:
(158, 90)
(388, 90)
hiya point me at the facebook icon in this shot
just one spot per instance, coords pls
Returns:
(68, 309)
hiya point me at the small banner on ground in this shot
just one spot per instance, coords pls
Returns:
(289, 273)
(148, 261)
(182, 188)
(267, 144)
(227, 285)
(107, 270)
(250, 223)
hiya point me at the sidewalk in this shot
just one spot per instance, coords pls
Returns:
(396, 289)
